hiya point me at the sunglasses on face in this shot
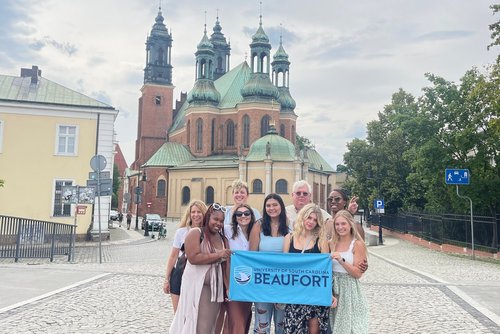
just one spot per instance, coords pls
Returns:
(242, 214)
(302, 193)
(219, 207)
(334, 199)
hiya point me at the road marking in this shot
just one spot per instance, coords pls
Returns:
(51, 293)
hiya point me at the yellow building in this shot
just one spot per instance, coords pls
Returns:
(48, 135)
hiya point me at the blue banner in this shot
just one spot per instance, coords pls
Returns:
(288, 278)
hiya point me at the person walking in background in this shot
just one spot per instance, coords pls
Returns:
(239, 314)
(348, 250)
(301, 195)
(268, 235)
(308, 236)
(204, 278)
(193, 217)
(129, 219)
(120, 218)
(338, 200)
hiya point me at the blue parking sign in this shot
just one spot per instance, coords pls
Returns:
(378, 203)
(457, 176)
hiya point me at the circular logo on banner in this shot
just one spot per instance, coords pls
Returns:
(242, 275)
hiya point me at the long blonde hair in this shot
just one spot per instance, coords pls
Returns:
(354, 232)
(186, 218)
(304, 213)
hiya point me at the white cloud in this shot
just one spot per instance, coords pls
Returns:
(348, 57)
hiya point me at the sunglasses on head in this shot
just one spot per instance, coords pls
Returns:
(302, 193)
(241, 214)
(334, 199)
(219, 207)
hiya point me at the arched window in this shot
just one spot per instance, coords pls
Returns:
(230, 133)
(209, 195)
(246, 131)
(257, 186)
(264, 125)
(160, 56)
(161, 187)
(188, 132)
(282, 130)
(186, 195)
(281, 187)
(199, 134)
(293, 134)
(212, 136)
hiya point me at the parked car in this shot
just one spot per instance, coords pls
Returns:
(113, 215)
(154, 220)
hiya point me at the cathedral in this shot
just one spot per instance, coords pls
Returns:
(234, 123)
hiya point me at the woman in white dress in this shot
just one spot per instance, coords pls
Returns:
(193, 217)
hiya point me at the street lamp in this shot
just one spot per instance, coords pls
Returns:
(138, 193)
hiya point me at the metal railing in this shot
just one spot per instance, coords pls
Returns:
(30, 238)
(447, 228)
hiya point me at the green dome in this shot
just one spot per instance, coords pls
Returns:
(259, 86)
(260, 36)
(204, 92)
(280, 54)
(285, 99)
(279, 148)
(205, 44)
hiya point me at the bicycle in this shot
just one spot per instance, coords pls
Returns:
(162, 231)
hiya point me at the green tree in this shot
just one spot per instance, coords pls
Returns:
(413, 140)
(303, 142)
(495, 30)
(2, 183)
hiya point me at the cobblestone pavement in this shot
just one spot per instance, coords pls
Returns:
(409, 289)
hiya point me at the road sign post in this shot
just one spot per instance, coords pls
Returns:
(379, 206)
(461, 177)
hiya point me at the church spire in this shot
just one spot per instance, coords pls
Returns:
(222, 50)
(204, 91)
(158, 68)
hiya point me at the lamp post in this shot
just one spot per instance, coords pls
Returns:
(138, 193)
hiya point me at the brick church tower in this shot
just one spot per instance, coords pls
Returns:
(156, 103)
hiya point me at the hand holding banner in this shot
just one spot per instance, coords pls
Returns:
(281, 278)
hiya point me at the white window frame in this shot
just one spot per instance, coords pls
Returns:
(53, 204)
(1, 135)
(58, 135)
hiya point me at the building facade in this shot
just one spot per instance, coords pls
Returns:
(48, 135)
(233, 123)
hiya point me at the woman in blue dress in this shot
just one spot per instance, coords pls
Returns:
(267, 235)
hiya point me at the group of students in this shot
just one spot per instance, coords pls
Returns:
(207, 236)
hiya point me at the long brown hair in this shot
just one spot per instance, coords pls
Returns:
(234, 220)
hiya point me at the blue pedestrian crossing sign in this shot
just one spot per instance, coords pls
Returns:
(457, 176)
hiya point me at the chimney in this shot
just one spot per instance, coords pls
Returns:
(32, 72)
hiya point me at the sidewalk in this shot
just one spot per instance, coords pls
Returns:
(474, 285)
(409, 289)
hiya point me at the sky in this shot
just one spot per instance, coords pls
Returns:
(347, 57)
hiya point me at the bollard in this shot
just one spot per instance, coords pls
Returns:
(146, 229)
